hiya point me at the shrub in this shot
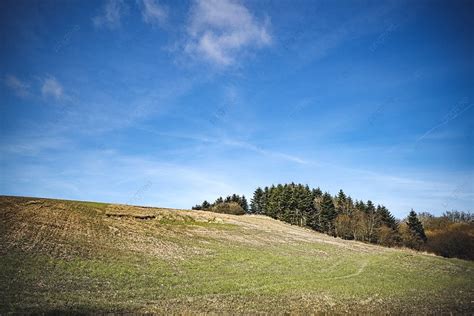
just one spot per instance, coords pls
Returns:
(232, 208)
(457, 240)
(387, 236)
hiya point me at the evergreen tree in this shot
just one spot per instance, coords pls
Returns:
(286, 204)
(277, 199)
(360, 206)
(415, 226)
(219, 200)
(205, 205)
(306, 205)
(317, 193)
(244, 204)
(271, 205)
(256, 203)
(264, 204)
(327, 214)
(290, 196)
(384, 217)
(350, 206)
(369, 207)
(386, 227)
(341, 203)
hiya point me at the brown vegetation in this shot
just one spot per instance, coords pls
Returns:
(232, 208)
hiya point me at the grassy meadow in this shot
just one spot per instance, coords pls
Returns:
(68, 256)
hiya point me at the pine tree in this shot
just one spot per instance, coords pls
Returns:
(205, 205)
(219, 200)
(386, 227)
(341, 203)
(264, 203)
(360, 206)
(327, 214)
(306, 205)
(271, 205)
(284, 200)
(256, 202)
(314, 219)
(317, 193)
(244, 204)
(277, 201)
(384, 217)
(350, 206)
(415, 226)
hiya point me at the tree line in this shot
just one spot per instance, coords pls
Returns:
(342, 216)
(339, 215)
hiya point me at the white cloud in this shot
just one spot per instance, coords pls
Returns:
(110, 15)
(51, 87)
(153, 12)
(32, 145)
(220, 30)
(20, 88)
(269, 153)
(232, 143)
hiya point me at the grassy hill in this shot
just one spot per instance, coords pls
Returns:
(58, 256)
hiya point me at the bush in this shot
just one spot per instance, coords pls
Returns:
(387, 236)
(457, 240)
(232, 208)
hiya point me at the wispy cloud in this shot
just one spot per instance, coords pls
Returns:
(111, 14)
(19, 87)
(32, 146)
(265, 152)
(220, 31)
(455, 111)
(231, 143)
(153, 12)
(52, 88)
(444, 135)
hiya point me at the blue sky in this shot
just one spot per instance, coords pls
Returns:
(167, 103)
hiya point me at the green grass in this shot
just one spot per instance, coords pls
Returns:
(184, 263)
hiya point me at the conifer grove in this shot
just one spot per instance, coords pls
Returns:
(338, 216)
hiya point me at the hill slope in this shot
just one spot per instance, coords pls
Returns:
(93, 257)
